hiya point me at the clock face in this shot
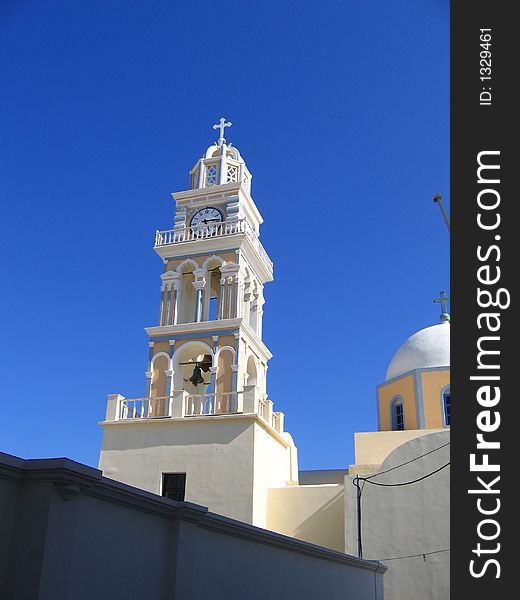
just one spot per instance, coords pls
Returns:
(206, 216)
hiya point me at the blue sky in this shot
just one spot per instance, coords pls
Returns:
(341, 111)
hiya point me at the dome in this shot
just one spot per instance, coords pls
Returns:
(427, 348)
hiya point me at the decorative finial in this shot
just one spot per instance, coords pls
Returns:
(443, 301)
(222, 125)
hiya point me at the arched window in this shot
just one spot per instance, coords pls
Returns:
(397, 414)
(446, 405)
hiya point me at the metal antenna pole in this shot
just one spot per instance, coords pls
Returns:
(438, 200)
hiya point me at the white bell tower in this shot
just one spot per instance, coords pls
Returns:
(206, 422)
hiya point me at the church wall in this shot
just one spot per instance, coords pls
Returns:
(314, 513)
(403, 387)
(215, 453)
(75, 535)
(433, 383)
(272, 468)
(407, 520)
(372, 448)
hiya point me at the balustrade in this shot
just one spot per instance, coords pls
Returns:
(181, 404)
(212, 230)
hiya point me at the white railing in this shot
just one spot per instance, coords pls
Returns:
(212, 230)
(211, 404)
(145, 408)
(182, 404)
(263, 408)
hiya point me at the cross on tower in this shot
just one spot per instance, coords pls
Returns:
(222, 125)
(443, 301)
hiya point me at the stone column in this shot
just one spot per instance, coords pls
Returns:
(146, 403)
(220, 313)
(229, 296)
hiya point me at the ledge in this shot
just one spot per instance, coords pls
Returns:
(197, 419)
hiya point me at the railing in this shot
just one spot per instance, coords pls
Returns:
(145, 408)
(263, 409)
(211, 404)
(212, 230)
(181, 404)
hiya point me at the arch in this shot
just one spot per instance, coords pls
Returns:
(230, 348)
(187, 353)
(251, 371)
(224, 383)
(212, 259)
(397, 415)
(187, 262)
(212, 268)
(186, 291)
(159, 354)
(446, 405)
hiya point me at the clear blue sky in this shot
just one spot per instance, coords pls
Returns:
(341, 111)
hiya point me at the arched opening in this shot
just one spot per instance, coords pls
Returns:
(446, 406)
(224, 386)
(187, 294)
(251, 375)
(397, 414)
(158, 392)
(213, 291)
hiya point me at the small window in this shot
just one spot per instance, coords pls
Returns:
(446, 401)
(174, 486)
(397, 416)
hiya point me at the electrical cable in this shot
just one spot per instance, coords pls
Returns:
(407, 462)
(406, 482)
(423, 554)
(359, 483)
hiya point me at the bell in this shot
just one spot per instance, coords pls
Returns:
(206, 363)
(197, 376)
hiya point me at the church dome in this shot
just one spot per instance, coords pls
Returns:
(427, 348)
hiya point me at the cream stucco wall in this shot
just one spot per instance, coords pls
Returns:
(272, 468)
(230, 461)
(314, 513)
(407, 520)
(372, 448)
(403, 387)
(215, 453)
(433, 382)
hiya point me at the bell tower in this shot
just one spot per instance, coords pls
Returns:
(205, 416)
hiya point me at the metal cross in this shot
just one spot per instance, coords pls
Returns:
(443, 301)
(222, 125)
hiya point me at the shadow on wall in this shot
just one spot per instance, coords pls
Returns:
(326, 525)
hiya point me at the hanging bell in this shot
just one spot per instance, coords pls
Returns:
(197, 376)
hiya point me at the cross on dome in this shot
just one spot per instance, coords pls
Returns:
(443, 300)
(222, 125)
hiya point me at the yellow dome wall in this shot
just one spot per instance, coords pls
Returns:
(421, 392)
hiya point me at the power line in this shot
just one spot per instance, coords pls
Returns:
(423, 554)
(360, 487)
(405, 482)
(407, 462)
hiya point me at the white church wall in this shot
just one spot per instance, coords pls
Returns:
(272, 468)
(372, 448)
(407, 520)
(75, 535)
(216, 453)
(314, 513)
